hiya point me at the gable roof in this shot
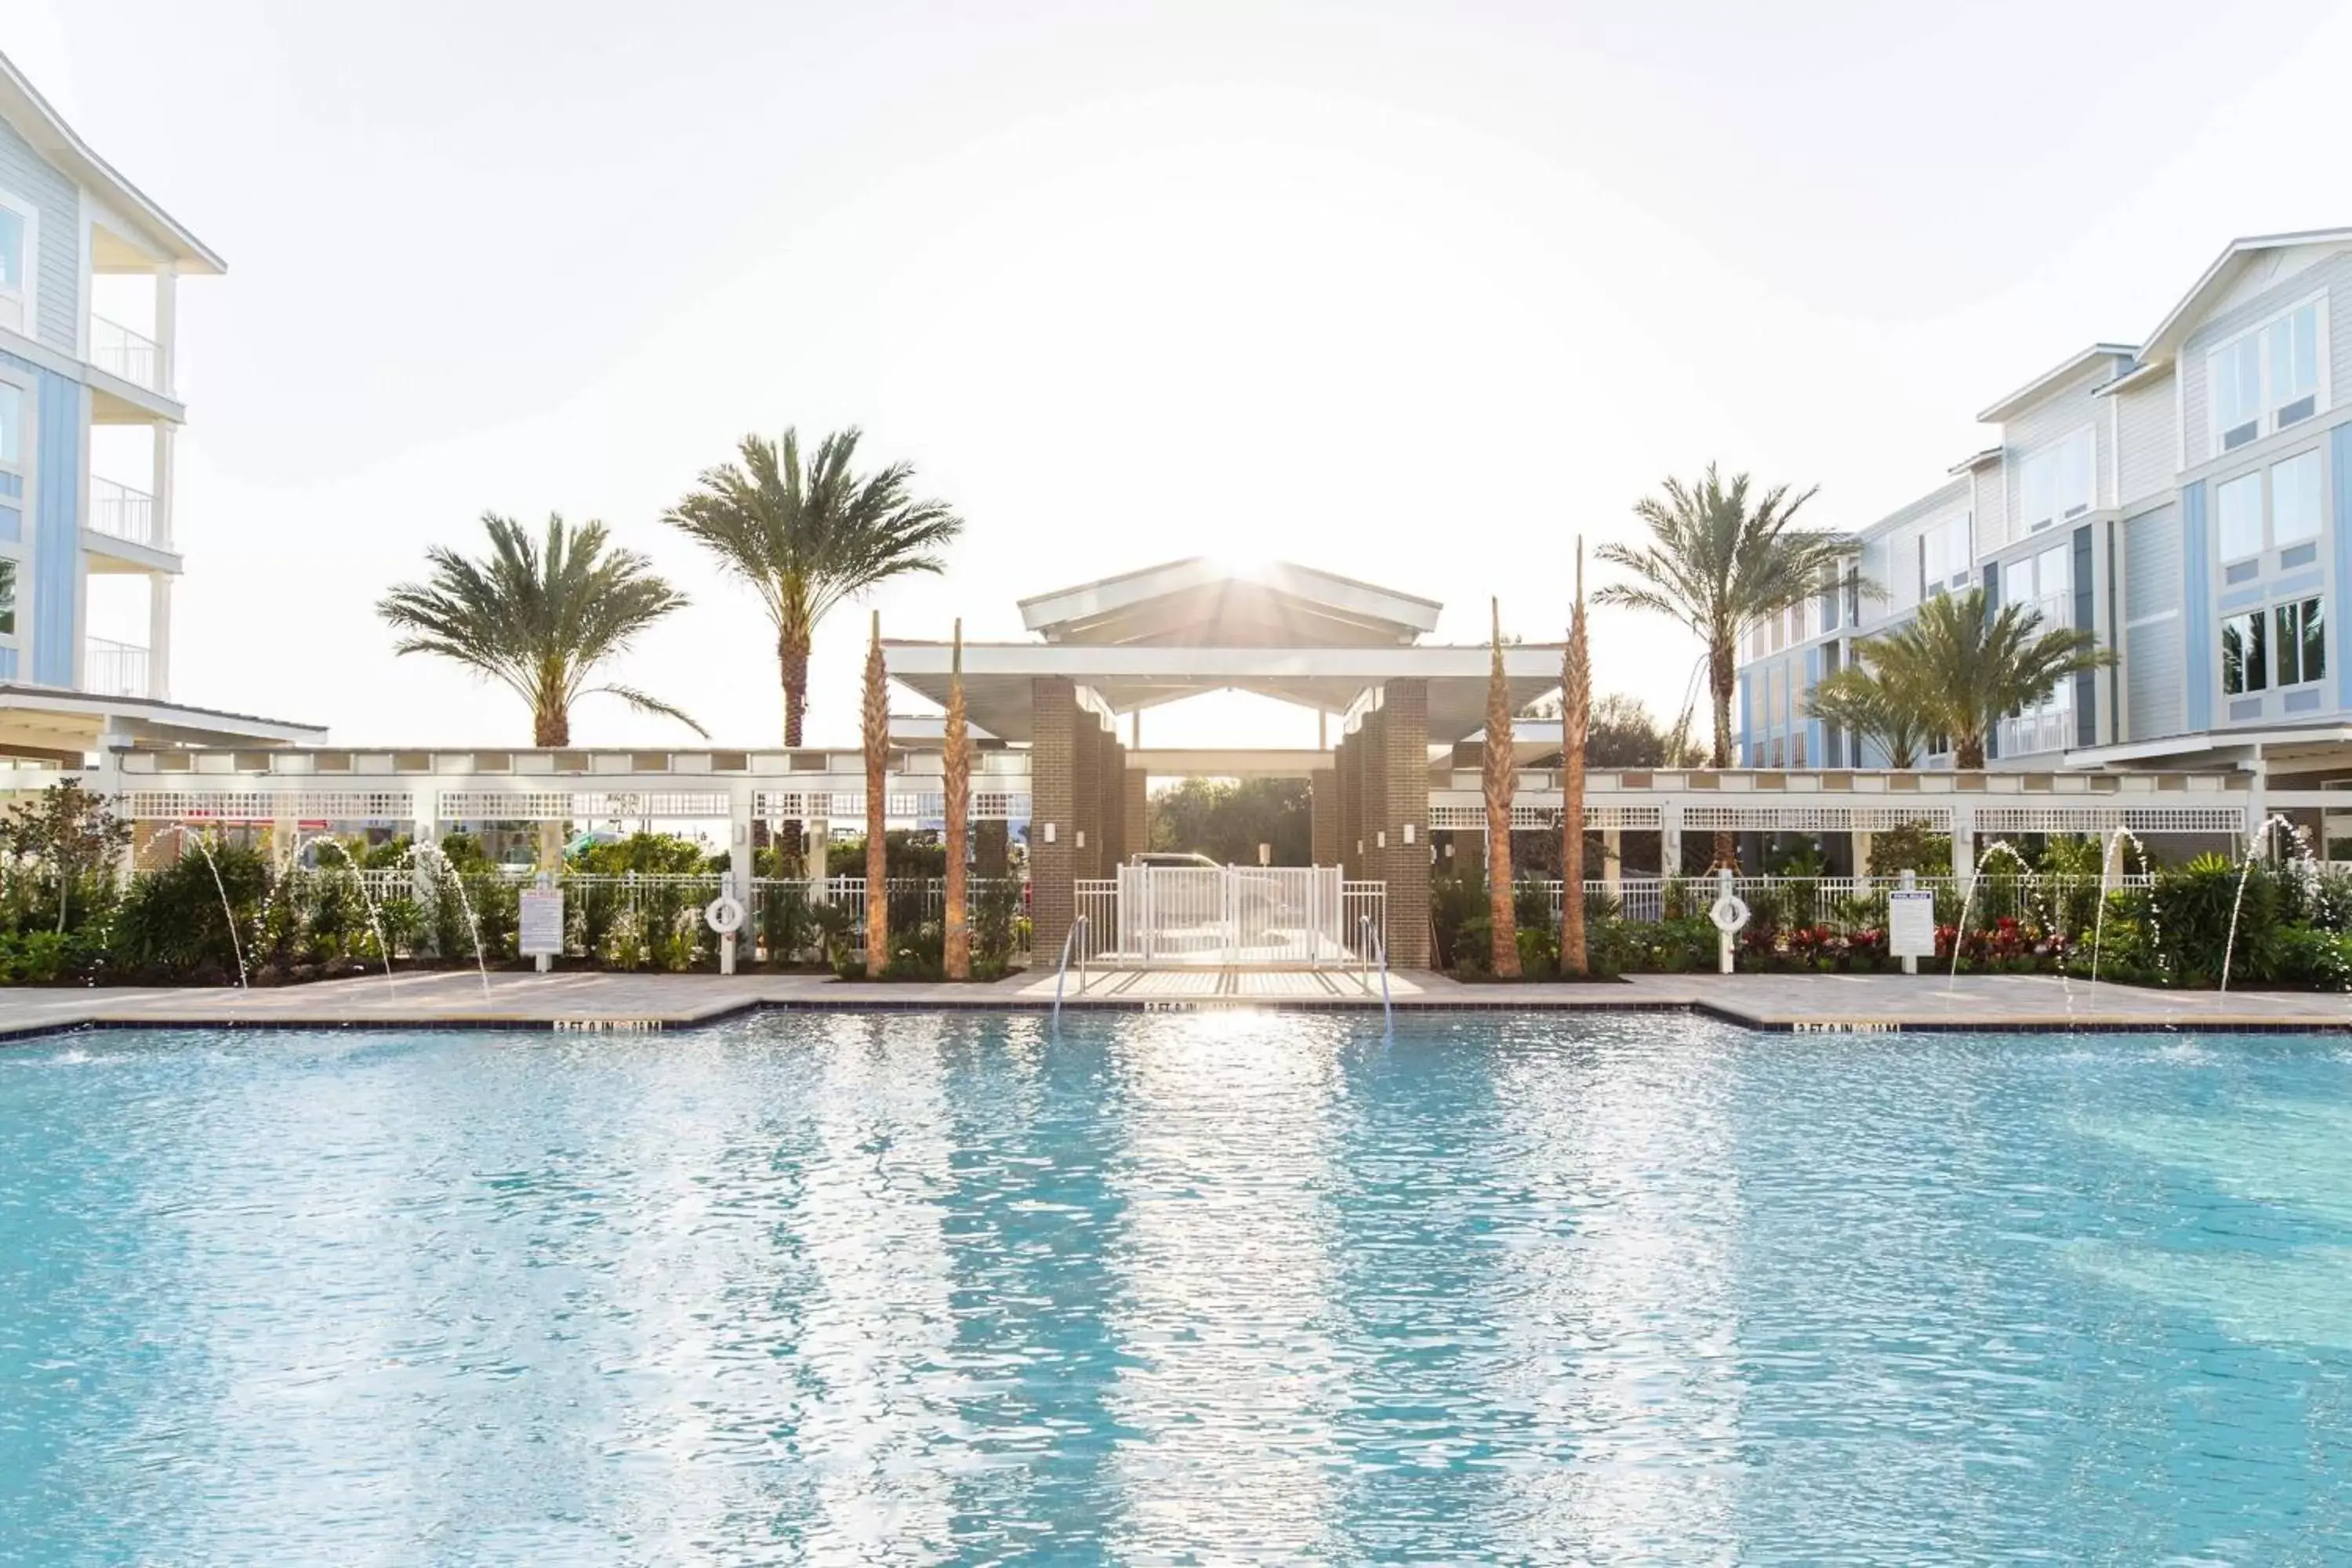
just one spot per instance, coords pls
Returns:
(23, 107)
(1201, 601)
(2057, 376)
(2170, 332)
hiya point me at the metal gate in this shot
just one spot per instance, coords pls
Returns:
(1229, 916)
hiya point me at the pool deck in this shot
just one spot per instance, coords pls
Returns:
(1831, 1002)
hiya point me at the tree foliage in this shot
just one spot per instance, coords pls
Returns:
(541, 619)
(1227, 819)
(1966, 669)
(807, 537)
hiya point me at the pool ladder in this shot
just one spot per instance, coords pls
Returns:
(1078, 929)
(1377, 945)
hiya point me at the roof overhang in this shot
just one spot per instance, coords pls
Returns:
(999, 678)
(2049, 380)
(41, 720)
(2174, 329)
(23, 107)
(1983, 459)
(2227, 746)
(1202, 601)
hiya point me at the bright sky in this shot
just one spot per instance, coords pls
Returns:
(1413, 292)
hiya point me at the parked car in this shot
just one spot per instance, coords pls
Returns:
(1185, 858)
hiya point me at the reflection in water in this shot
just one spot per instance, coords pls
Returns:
(1226, 1299)
(1217, 1287)
(1613, 1293)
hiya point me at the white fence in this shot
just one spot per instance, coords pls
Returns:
(1842, 902)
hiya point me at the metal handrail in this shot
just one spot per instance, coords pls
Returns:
(1379, 945)
(1077, 928)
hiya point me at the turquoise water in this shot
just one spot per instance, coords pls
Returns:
(1175, 1289)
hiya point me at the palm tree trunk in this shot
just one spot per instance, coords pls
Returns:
(1720, 684)
(1500, 780)
(1967, 753)
(1575, 718)
(792, 666)
(958, 788)
(550, 726)
(877, 780)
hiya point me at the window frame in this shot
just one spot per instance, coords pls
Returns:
(2265, 484)
(2051, 452)
(18, 552)
(2267, 402)
(27, 296)
(2301, 604)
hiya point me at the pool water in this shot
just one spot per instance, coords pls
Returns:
(1175, 1289)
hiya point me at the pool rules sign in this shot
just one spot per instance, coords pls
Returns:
(1911, 925)
(540, 931)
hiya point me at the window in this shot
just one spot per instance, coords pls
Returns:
(1944, 557)
(16, 232)
(2055, 484)
(2294, 499)
(2245, 654)
(2042, 582)
(2269, 378)
(12, 425)
(2302, 642)
(2238, 509)
(7, 597)
(2245, 525)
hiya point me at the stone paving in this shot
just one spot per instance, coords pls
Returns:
(1831, 1002)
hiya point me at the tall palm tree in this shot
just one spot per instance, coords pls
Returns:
(1575, 720)
(1501, 781)
(1869, 704)
(806, 538)
(956, 785)
(1718, 561)
(541, 619)
(1970, 667)
(876, 719)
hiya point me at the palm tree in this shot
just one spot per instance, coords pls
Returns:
(1500, 781)
(877, 780)
(1870, 705)
(956, 785)
(541, 619)
(1718, 563)
(806, 539)
(1575, 720)
(1971, 667)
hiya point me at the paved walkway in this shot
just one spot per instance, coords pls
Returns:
(1837, 1001)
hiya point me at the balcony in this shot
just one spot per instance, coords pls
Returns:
(121, 512)
(2051, 730)
(114, 668)
(117, 350)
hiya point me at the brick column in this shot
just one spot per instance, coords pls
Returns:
(989, 850)
(1323, 831)
(1053, 866)
(1134, 807)
(1372, 808)
(1114, 844)
(1086, 793)
(1404, 801)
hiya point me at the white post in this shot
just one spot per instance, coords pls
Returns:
(1908, 881)
(544, 882)
(740, 867)
(160, 483)
(1964, 842)
(1670, 841)
(727, 885)
(1612, 863)
(167, 328)
(1723, 939)
(159, 634)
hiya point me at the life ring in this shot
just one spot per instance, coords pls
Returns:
(725, 915)
(1729, 913)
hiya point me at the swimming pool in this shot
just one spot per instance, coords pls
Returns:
(1194, 1288)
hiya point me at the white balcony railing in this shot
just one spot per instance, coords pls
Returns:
(121, 513)
(136, 358)
(2051, 730)
(114, 668)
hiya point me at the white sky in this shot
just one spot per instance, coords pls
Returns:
(1413, 292)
